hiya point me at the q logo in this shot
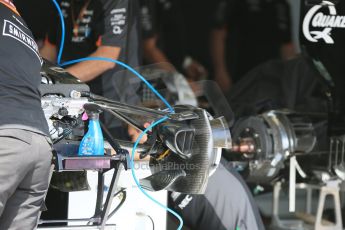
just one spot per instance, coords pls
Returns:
(318, 20)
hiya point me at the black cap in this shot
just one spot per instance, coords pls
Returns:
(92, 110)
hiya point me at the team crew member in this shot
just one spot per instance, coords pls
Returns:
(226, 204)
(166, 33)
(25, 151)
(99, 28)
(247, 33)
(96, 28)
(326, 49)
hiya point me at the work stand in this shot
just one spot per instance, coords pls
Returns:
(331, 188)
(65, 161)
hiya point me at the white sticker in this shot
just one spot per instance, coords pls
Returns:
(118, 20)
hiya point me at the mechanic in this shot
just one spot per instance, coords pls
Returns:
(99, 28)
(95, 28)
(165, 31)
(25, 150)
(247, 33)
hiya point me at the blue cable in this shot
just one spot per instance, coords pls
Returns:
(146, 130)
(62, 23)
(127, 67)
(136, 180)
(62, 43)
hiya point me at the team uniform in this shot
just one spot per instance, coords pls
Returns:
(256, 30)
(226, 204)
(322, 38)
(93, 23)
(88, 25)
(25, 151)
